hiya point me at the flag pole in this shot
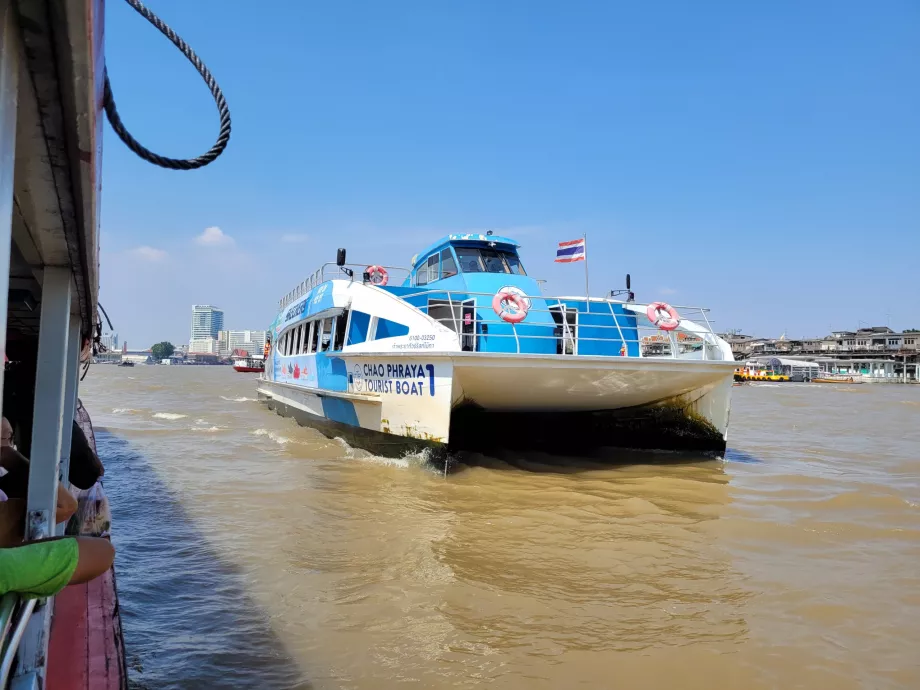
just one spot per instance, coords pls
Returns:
(587, 289)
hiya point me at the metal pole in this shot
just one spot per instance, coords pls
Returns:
(9, 103)
(70, 402)
(49, 410)
(587, 289)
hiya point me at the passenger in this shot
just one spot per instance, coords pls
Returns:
(40, 568)
(15, 481)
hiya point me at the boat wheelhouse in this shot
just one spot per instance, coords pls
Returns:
(467, 353)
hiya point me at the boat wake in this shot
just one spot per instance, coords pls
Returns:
(243, 399)
(277, 438)
(171, 416)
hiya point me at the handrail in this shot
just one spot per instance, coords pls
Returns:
(12, 645)
(319, 276)
(567, 298)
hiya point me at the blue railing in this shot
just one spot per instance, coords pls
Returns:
(568, 326)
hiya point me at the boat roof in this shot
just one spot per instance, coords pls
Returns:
(55, 220)
(466, 238)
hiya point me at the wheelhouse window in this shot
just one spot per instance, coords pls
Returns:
(432, 268)
(448, 265)
(481, 260)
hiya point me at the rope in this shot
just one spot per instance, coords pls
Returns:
(173, 163)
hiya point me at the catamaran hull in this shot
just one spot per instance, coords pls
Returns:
(393, 403)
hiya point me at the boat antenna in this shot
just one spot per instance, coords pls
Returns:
(223, 138)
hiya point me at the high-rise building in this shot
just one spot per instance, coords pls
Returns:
(223, 343)
(251, 341)
(207, 321)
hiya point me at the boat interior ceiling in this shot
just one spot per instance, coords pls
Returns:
(56, 173)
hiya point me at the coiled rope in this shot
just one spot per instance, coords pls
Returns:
(173, 163)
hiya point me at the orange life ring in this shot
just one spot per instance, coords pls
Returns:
(663, 315)
(378, 275)
(500, 305)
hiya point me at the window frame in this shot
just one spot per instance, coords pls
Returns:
(450, 256)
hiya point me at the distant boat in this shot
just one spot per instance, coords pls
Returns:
(838, 378)
(126, 363)
(249, 365)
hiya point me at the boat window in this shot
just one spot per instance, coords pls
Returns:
(493, 261)
(314, 338)
(448, 265)
(514, 263)
(357, 331)
(341, 322)
(389, 329)
(421, 275)
(432, 268)
(470, 260)
(479, 260)
(326, 336)
(307, 337)
(297, 337)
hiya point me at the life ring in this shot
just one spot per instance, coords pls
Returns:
(500, 303)
(663, 315)
(378, 275)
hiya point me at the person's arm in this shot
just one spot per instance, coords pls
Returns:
(66, 505)
(11, 459)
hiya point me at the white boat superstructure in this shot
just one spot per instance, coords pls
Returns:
(467, 353)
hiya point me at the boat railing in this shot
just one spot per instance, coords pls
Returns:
(630, 326)
(12, 629)
(329, 271)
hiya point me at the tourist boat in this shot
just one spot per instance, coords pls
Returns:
(248, 365)
(466, 353)
(838, 378)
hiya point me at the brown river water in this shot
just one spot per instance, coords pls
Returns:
(253, 553)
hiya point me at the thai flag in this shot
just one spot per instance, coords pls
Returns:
(571, 251)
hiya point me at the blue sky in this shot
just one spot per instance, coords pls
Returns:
(762, 159)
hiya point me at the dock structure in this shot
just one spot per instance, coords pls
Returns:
(878, 354)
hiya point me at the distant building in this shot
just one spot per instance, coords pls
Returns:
(251, 341)
(109, 341)
(223, 343)
(207, 321)
(136, 356)
(202, 346)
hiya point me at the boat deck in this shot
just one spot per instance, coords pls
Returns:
(86, 649)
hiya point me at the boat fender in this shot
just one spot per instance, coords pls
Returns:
(501, 302)
(378, 275)
(663, 315)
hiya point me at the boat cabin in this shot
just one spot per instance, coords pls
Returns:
(456, 280)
